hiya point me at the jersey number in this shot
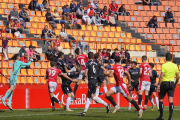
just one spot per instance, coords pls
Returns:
(81, 62)
(94, 70)
(52, 72)
(146, 72)
(121, 72)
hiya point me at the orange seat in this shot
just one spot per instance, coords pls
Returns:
(36, 80)
(14, 43)
(111, 80)
(5, 64)
(66, 45)
(133, 59)
(30, 71)
(158, 67)
(149, 47)
(29, 80)
(32, 31)
(118, 29)
(132, 47)
(23, 72)
(111, 34)
(156, 60)
(37, 65)
(44, 64)
(42, 80)
(139, 60)
(43, 72)
(150, 60)
(9, 71)
(137, 47)
(34, 43)
(36, 72)
(23, 80)
(108, 46)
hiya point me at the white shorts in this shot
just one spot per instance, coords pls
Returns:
(52, 86)
(144, 85)
(81, 74)
(121, 89)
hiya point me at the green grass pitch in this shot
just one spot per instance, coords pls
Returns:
(93, 114)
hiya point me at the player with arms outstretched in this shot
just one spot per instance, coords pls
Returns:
(13, 79)
(145, 83)
(52, 74)
(117, 71)
(91, 72)
(80, 60)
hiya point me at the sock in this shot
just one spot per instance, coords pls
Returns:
(10, 98)
(157, 101)
(135, 105)
(55, 99)
(75, 88)
(129, 104)
(99, 100)
(68, 102)
(97, 92)
(152, 101)
(139, 99)
(146, 100)
(8, 92)
(171, 107)
(111, 99)
(88, 102)
(161, 108)
(105, 89)
(52, 101)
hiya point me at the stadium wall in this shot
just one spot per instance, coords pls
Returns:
(36, 96)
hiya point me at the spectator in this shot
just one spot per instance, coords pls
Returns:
(122, 11)
(55, 53)
(108, 54)
(150, 2)
(95, 6)
(69, 61)
(52, 34)
(32, 5)
(24, 15)
(153, 22)
(66, 38)
(83, 45)
(56, 17)
(14, 13)
(105, 19)
(99, 52)
(169, 17)
(104, 10)
(10, 25)
(127, 56)
(5, 46)
(67, 18)
(49, 53)
(88, 6)
(66, 9)
(22, 51)
(30, 51)
(46, 33)
(73, 18)
(115, 53)
(113, 7)
(90, 11)
(48, 15)
(112, 21)
(80, 12)
(36, 55)
(122, 55)
(96, 19)
(16, 27)
(73, 6)
(24, 59)
(79, 4)
(104, 56)
(45, 4)
(86, 19)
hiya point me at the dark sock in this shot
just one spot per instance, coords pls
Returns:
(111, 99)
(135, 105)
(52, 101)
(55, 99)
(161, 108)
(139, 99)
(146, 100)
(75, 88)
(171, 107)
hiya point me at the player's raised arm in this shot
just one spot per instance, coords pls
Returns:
(65, 75)
(128, 77)
(104, 70)
(111, 73)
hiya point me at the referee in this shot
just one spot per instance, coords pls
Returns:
(166, 85)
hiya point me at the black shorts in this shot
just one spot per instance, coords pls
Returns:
(134, 86)
(100, 78)
(166, 87)
(92, 84)
(152, 89)
(66, 89)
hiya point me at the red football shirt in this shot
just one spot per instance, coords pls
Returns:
(122, 54)
(81, 60)
(57, 42)
(24, 60)
(52, 74)
(118, 73)
(113, 7)
(104, 55)
(145, 72)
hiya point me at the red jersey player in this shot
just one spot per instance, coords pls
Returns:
(80, 60)
(52, 74)
(145, 73)
(118, 72)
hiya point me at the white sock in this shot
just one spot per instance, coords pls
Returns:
(88, 102)
(105, 89)
(99, 100)
(68, 102)
(97, 92)
(152, 101)
(129, 104)
(157, 101)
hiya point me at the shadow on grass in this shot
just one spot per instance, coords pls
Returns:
(2, 111)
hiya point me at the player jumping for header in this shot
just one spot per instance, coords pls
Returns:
(118, 72)
(13, 79)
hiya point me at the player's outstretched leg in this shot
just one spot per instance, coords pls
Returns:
(88, 102)
(152, 103)
(70, 96)
(161, 106)
(146, 99)
(9, 101)
(111, 99)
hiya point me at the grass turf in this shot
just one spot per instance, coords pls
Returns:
(93, 114)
